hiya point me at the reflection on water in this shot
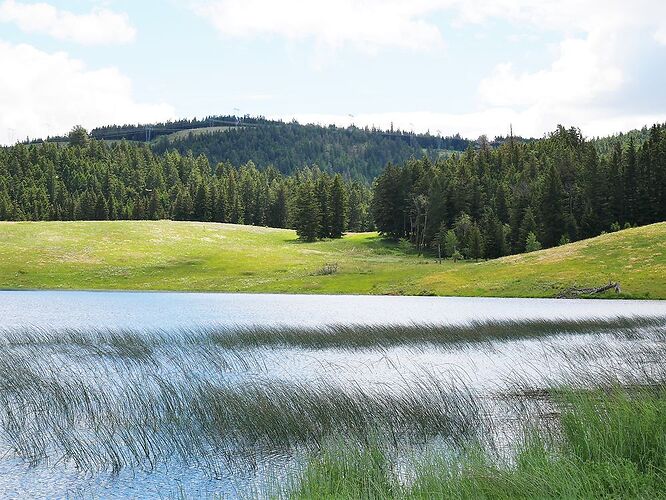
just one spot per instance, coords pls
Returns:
(170, 310)
(488, 369)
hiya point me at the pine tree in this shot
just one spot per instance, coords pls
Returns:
(219, 210)
(338, 207)
(201, 203)
(528, 225)
(306, 217)
(323, 192)
(532, 243)
(101, 208)
(389, 206)
(183, 205)
(630, 191)
(475, 243)
(551, 208)
(616, 184)
(78, 137)
(279, 208)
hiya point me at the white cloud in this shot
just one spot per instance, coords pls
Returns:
(660, 36)
(46, 94)
(584, 70)
(589, 70)
(367, 24)
(100, 26)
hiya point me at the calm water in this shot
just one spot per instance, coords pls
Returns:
(151, 310)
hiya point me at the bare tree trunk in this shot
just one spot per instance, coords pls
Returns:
(576, 291)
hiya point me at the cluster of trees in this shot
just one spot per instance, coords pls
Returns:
(357, 153)
(94, 180)
(522, 195)
(493, 199)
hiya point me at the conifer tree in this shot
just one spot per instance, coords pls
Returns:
(201, 203)
(306, 217)
(532, 243)
(338, 205)
(551, 207)
(323, 192)
(630, 191)
(476, 246)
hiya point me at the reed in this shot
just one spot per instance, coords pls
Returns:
(612, 446)
(109, 400)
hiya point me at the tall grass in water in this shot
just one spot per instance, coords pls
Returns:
(349, 337)
(146, 420)
(612, 444)
(107, 400)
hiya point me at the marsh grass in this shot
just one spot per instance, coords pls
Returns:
(109, 400)
(613, 445)
(349, 337)
(144, 420)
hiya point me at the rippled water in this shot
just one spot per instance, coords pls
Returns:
(171, 310)
(486, 367)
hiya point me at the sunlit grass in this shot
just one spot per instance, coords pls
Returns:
(190, 256)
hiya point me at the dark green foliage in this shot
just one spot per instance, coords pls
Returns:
(389, 202)
(557, 188)
(354, 152)
(475, 250)
(307, 216)
(338, 207)
(93, 180)
(323, 193)
(78, 137)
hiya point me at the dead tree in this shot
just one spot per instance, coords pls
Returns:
(574, 292)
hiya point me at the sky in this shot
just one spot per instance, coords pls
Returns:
(444, 66)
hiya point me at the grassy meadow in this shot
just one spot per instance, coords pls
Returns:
(190, 256)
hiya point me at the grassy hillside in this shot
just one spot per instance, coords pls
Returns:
(166, 255)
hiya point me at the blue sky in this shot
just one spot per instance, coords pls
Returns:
(439, 65)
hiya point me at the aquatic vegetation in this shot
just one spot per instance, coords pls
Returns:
(612, 444)
(222, 400)
(111, 420)
(349, 337)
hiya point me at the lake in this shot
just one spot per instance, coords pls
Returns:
(157, 310)
(78, 404)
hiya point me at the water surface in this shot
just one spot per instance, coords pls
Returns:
(168, 310)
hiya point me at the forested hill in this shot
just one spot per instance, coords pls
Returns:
(519, 197)
(355, 152)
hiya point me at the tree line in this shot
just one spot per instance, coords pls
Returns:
(95, 180)
(493, 199)
(522, 196)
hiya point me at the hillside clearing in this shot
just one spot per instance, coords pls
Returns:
(191, 256)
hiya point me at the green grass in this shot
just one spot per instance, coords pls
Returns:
(611, 445)
(166, 255)
(184, 134)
